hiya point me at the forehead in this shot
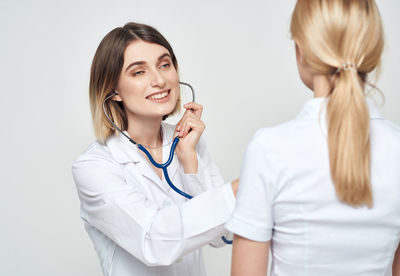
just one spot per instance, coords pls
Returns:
(140, 50)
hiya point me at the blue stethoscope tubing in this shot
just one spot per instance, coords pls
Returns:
(165, 165)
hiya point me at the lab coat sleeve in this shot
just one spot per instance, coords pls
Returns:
(207, 177)
(154, 235)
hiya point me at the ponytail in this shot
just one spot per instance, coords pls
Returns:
(329, 33)
(348, 139)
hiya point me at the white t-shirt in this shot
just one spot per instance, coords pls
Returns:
(286, 195)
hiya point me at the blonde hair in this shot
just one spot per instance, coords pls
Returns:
(343, 39)
(105, 72)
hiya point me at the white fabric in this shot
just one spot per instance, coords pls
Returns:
(138, 224)
(286, 195)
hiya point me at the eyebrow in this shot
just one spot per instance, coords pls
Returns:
(143, 62)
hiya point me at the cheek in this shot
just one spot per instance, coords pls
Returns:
(131, 92)
(173, 80)
(171, 75)
(131, 88)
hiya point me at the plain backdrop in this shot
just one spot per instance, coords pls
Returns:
(237, 54)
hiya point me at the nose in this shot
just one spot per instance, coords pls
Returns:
(157, 79)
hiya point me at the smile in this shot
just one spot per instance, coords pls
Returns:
(159, 96)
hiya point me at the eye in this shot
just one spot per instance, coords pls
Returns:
(165, 65)
(138, 73)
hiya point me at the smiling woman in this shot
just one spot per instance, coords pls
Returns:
(148, 84)
(128, 53)
(137, 223)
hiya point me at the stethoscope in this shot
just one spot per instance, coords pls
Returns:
(165, 165)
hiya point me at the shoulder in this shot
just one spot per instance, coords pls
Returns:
(274, 147)
(95, 170)
(96, 154)
(271, 137)
(265, 157)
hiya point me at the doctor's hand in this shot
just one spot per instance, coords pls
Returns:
(235, 186)
(189, 130)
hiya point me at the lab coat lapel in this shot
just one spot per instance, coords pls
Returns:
(149, 173)
(124, 151)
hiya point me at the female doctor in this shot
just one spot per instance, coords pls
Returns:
(138, 224)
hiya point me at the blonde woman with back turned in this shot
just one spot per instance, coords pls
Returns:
(323, 191)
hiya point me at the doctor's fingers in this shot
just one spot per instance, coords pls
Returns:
(193, 124)
(188, 114)
(197, 109)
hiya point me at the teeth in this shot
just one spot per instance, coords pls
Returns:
(158, 96)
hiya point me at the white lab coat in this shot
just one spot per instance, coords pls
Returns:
(138, 224)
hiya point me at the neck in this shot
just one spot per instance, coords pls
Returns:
(321, 86)
(145, 130)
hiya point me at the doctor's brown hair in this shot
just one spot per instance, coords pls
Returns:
(106, 69)
(343, 39)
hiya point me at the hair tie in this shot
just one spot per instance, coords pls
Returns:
(346, 67)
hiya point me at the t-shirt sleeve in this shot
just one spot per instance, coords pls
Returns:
(252, 217)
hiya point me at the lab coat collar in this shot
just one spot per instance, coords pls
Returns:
(124, 151)
(316, 108)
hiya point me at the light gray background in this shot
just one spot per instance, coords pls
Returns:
(237, 54)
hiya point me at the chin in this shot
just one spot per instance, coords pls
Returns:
(166, 111)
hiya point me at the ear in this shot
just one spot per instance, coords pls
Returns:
(117, 97)
(299, 52)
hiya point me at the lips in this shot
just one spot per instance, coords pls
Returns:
(159, 96)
